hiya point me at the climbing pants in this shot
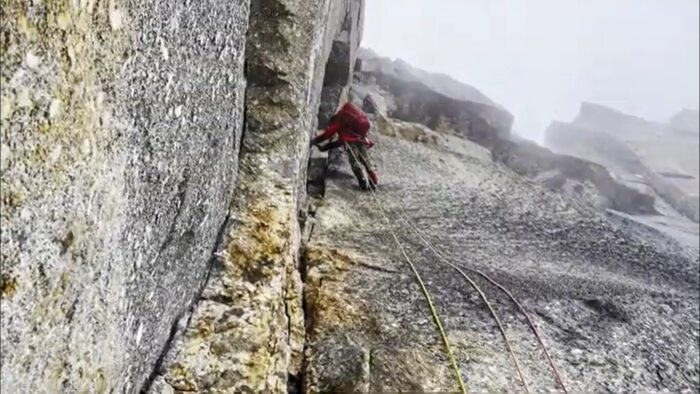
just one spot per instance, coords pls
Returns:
(358, 156)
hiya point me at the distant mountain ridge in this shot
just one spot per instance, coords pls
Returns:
(660, 156)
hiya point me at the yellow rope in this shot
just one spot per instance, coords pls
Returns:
(442, 258)
(477, 288)
(426, 293)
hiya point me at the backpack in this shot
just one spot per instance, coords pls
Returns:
(354, 119)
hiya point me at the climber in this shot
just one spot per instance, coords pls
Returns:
(352, 127)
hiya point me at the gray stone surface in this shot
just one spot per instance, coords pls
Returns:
(247, 329)
(531, 160)
(413, 96)
(441, 83)
(120, 135)
(617, 303)
(140, 251)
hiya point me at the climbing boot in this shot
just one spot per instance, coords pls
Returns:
(364, 185)
(360, 176)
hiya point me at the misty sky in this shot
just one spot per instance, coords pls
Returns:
(541, 58)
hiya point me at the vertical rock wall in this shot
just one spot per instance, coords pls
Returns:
(121, 123)
(247, 331)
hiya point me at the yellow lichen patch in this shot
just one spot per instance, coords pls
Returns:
(6, 107)
(258, 366)
(8, 286)
(181, 378)
(330, 309)
(295, 313)
(204, 327)
(329, 258)
(258, 248)
(329, 306)
(100, 382)
(11, 198)
(409, 131)
(384, 126)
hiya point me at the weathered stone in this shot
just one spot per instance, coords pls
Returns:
(420, 97)
(110, 203)
(247, 330)
(121, 127)
(441, 83)
(529, 159)
(415, 132)
(590, 283)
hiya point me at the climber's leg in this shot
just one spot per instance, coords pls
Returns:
(364, 157)
(353, 158)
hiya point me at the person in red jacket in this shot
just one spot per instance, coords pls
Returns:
(352, 127)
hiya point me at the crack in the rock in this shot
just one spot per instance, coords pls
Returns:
(376, 268)
(156, 371)
(218, 298)
(180, 202)
(295, 383)
(161, 357)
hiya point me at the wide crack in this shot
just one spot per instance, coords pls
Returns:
(316, 179)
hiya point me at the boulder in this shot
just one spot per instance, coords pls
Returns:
(415, 132)
(531, 160)
(416, 96)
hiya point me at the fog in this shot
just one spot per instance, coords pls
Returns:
(541, 58)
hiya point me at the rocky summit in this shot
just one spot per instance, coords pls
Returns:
(167, 227)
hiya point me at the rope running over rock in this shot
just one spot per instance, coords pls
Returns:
(426, 293)
(520, 308)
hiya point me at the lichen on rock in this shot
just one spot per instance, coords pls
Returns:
(251, 309)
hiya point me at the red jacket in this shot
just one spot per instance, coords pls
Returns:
(350, 123)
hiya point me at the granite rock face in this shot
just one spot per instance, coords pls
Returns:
(112, 115)
(416, 96)
(616, 302)
(166, 227)
(247, 331)
(145, 245)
